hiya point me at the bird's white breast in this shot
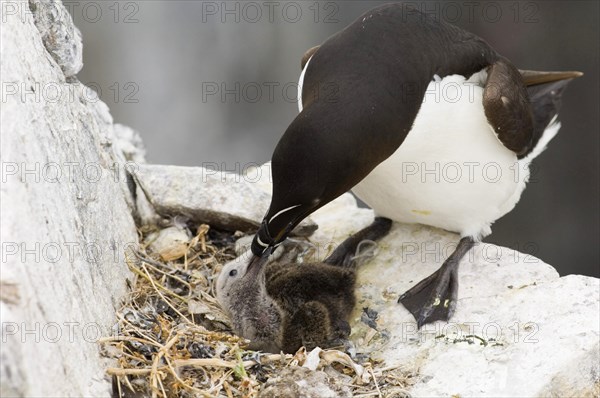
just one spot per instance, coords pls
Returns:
(451, 171)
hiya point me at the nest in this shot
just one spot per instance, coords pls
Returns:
(172, 338)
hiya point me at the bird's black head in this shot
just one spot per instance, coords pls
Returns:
(311, 165)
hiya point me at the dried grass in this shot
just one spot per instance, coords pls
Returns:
(173, 340)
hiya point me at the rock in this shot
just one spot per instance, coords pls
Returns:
(60, 36)
(300, 382)
(170, 243)
(519, 328)
(66, 211)
(130, 145)
(536, 336)
(223, 200)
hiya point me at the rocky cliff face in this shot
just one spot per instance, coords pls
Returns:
(68, 210)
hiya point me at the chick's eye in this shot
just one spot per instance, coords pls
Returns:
(233, 272)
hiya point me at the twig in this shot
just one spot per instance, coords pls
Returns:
(164, 298)
(171, 276)
(154, 373)
(130, 372)
(370, 370)
(149, 279)
(216, 362)
(127, 338)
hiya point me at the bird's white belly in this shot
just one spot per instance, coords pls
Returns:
(451, 171)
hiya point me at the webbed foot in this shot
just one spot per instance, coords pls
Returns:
(345, 254)
(434, 298)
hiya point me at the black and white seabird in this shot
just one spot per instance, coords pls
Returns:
(398, 91)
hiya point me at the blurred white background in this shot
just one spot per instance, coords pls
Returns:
(212, 83)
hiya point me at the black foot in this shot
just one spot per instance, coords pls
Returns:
(289, 251)
(345, 253)
(434, 298)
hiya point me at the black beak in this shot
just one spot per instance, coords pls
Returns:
(263, 242)
(257, 262)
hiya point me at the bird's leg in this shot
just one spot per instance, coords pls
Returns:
(434, 298)
(344, 253)
(290, 251)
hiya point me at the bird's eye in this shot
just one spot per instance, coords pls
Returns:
(233, 272)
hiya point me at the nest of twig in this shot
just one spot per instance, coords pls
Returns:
(173, 339)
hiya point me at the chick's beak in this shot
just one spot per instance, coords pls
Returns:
(256, 263)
